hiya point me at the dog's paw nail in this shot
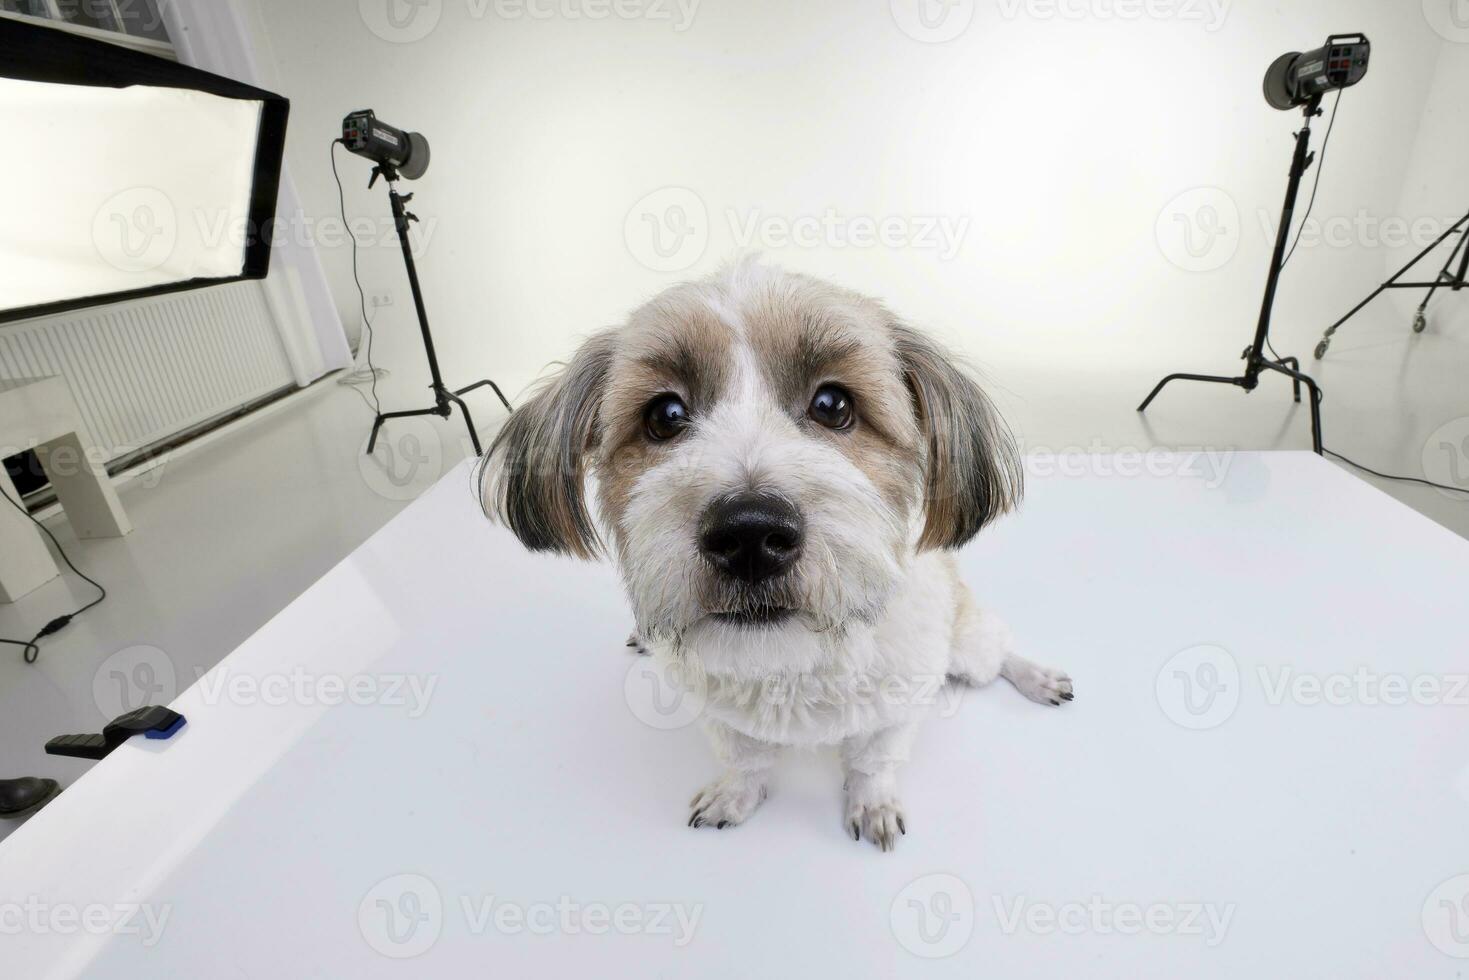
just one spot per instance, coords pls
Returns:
(1068, 696)
(1041, 685)
(878, 819)
(727, 802)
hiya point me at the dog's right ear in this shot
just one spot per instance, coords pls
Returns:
(534, 475)
(973, 471)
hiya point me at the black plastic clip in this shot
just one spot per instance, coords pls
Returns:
(152, 721)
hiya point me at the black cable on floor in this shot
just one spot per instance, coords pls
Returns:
(31, 647)
(1389, 476)
(1320, 398)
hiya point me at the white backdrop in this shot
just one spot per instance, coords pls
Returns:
(1076, 186)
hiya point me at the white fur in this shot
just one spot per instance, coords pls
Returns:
(856, 546)
(882, 625)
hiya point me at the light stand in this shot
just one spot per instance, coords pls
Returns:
(1445, 279)
(442, 395)
(1255, 360)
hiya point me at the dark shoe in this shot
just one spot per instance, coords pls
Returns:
(20, 797)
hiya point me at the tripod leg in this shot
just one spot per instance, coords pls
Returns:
(1443, 278)
(1326, 337)
(1186, 377)
(1315, 416)
(1304, 379)
(377, 425)
(1294, 365)
(469, 422)
(1459, 282)
(480, 384)
(378, 422)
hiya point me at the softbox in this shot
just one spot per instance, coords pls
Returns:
(130, 175)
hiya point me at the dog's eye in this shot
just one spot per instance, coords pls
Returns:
(832, 407)
(665, 417)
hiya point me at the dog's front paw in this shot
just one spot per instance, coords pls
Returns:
(873, 812)
(727, 801)
(635, 643)
(1041, 684)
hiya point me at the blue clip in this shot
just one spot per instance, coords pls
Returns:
(166, 732)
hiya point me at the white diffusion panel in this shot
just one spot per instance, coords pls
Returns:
(121, 189)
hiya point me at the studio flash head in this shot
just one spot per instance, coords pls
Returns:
(389, 147)
(1295, 78)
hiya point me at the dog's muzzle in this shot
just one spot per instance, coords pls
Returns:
(751, 537)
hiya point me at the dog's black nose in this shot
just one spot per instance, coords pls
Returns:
(751, 536)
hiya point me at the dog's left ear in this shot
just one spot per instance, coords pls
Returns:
(972, 468)
(534, 475)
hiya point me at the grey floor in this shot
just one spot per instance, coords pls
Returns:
(228, 534)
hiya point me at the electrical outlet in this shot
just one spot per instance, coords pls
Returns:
(379, 300)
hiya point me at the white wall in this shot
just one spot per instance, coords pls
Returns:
(1436, 188)
(1059, 131)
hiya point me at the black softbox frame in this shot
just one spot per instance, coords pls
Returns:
(38, 53)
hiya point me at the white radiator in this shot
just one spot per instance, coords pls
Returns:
(145, 370)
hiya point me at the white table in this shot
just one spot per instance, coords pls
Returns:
(1148, 829)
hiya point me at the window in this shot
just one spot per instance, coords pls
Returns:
(33, 8)
(138, 20)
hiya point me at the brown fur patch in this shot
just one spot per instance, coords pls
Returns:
(924, 432)
(973, 469)
(534, 476)
(806, 334)
(675, 344)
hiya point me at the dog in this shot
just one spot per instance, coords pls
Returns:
(782, 472)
